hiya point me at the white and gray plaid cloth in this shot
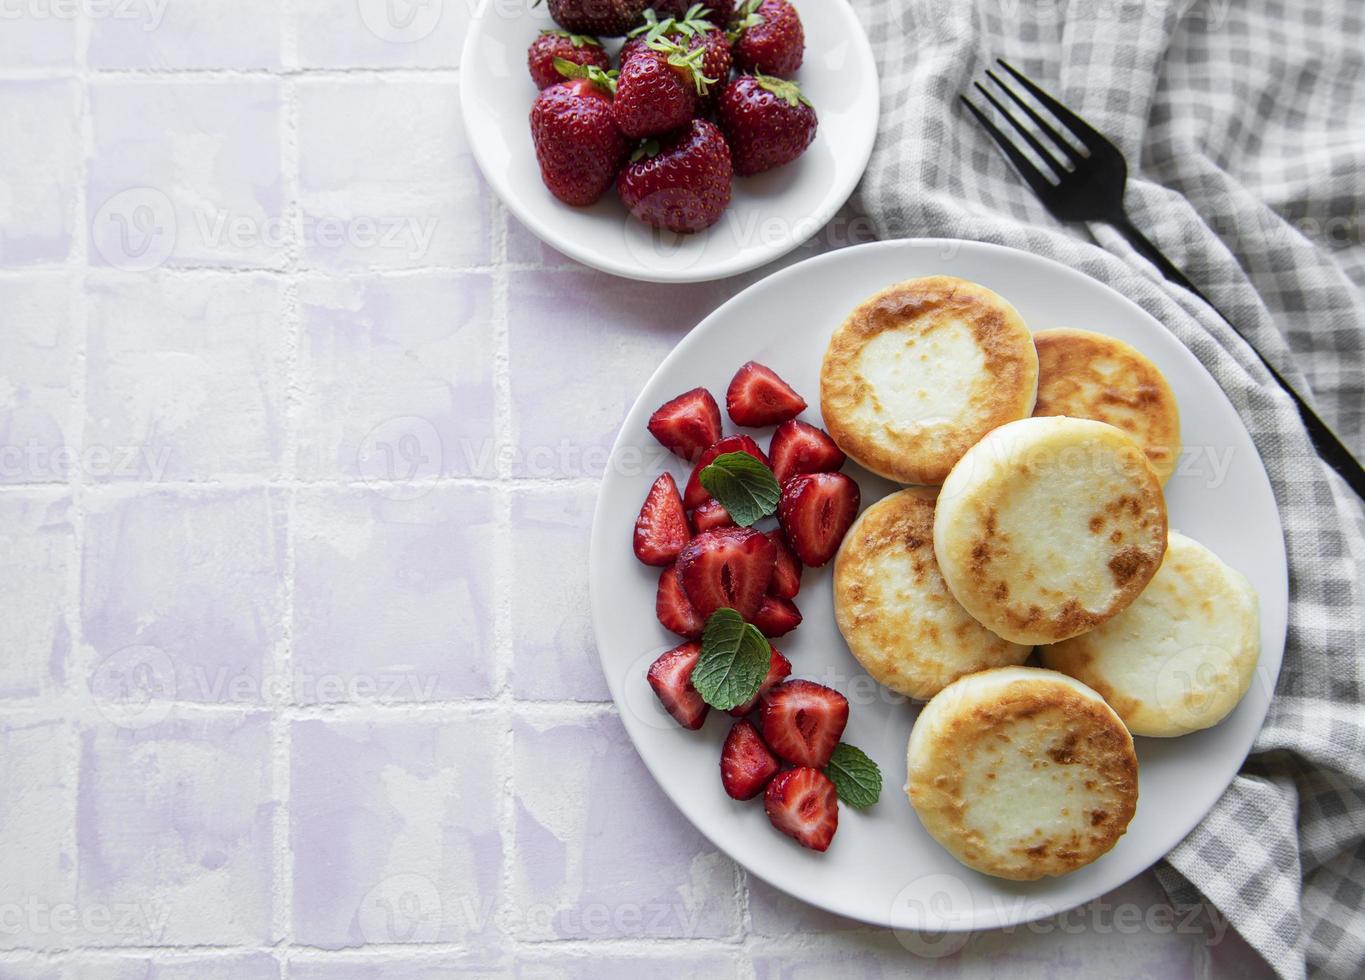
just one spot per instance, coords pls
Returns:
(1241, 123)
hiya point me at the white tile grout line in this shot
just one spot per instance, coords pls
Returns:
(282, 856)
(504, 424)
(79, 664)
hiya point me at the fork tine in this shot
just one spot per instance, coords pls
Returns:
(1058, 168)
(1086, 134)
(1057, 138)
(1035, 178)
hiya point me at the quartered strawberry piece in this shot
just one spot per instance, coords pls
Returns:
(746, 765)
(671, 678)
(777, 617)
(779, 669)
(695, 495)
(786, 580)
(799, 447)
(757, 396)
(802, 721)
(816, 511)
(671, 606)
(688, 425)
(726, 568)
(804, 805)
(710, 516)
(661, 530)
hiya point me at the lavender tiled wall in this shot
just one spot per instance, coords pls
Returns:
(300, 435)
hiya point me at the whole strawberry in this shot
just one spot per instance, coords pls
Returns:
(659, 88)
(766, 121)
(551, 44)
(691, 30)
(578, 146)
(680, 182)
(603, 18)
(768, 37)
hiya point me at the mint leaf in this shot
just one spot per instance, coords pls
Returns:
(744, 486)
(856, 777)
(734, 660)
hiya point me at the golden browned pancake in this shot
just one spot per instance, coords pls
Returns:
(1021, 773)
(1090, 376)
(919, 372)
(894, 609)
(1049, 526)
(1182, 655)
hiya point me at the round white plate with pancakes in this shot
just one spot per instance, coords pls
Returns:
(769, 214)
(883, 867)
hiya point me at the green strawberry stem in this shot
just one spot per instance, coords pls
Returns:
(746, 16)
(783, 89)
(649, 148)
(600, 78)
(652, 26)
(680, 57)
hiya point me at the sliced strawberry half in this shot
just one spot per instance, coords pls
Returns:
(695, 495)
(671, 678)
(777, 617)
(688, 425)
(726, 568)
(786, 580)
(799, 447)
(671, 606)
(757, 396)
(661, 530)
(710, 516)
(802, 721)
(804, 805)
(815, 512)
(746, 765)
(779, 669)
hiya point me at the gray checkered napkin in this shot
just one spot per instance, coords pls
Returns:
(1240, 120)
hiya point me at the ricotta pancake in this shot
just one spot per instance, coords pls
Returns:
(1182, 655)
(1050, 526)
(1022, 773)
(1090, 376)
(894, 609)
(919, 372)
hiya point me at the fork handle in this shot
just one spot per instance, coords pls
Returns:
(1329, 447)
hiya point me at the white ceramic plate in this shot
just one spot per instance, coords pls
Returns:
(883, 867)
(769, 214)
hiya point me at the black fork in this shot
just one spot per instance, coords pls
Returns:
(1087, 184)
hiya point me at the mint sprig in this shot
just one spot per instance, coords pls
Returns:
(745, 487)
(856, 778)
(734, 660)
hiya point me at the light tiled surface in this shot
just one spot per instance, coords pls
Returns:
(300, 435)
